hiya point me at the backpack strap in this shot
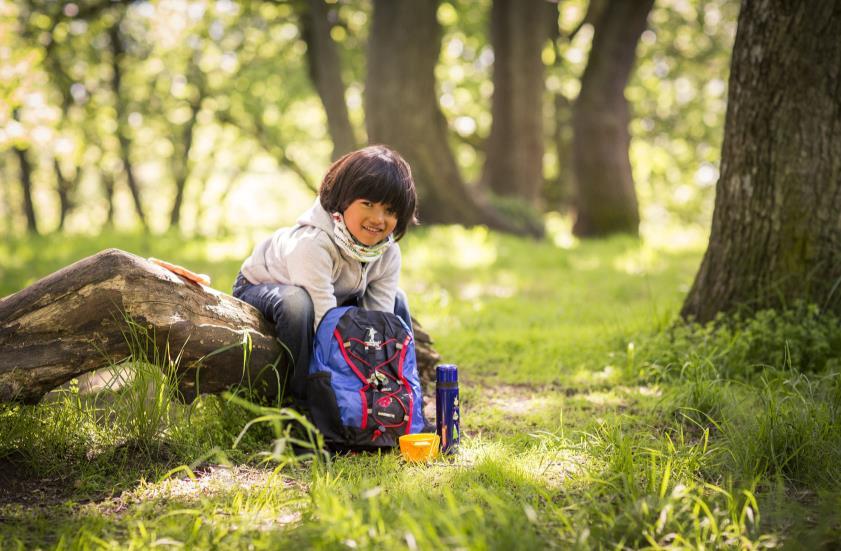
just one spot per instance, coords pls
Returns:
(358, 372)
(408, 388)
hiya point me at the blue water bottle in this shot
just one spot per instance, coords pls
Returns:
(446, 407)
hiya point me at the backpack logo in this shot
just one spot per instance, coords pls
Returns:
(372, 339)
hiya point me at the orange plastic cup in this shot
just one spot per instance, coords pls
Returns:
(420, 447)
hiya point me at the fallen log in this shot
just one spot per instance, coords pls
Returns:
(77, 320)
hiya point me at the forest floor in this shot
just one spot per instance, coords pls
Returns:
(590, 419)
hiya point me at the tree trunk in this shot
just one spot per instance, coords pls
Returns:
(776, 229)
(107, 180)
(401, 110)
(26, 188)
(74, 321)
(65, 188)
(326, 74)
(514, 161)
(559, 191)
(605, 198)
(122, 133)
(6, 209)
(182, 164)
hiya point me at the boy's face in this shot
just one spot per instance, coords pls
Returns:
(369, 222)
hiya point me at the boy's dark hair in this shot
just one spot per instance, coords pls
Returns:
(376, 173)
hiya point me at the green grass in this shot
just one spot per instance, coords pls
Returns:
(590, 420)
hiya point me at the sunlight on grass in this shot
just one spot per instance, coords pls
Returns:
(644, 260)
(674, 238)
(588, 419)
(559, 230)
(454, 246)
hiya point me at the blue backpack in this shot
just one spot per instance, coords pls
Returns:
(363, 387)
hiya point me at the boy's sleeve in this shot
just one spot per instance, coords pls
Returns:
(311, 267)
(382, 290)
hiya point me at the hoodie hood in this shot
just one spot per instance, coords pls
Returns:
(317, 217)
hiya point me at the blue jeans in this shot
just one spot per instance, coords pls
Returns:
(290, 309)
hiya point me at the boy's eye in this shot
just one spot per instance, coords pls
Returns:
(367, 203)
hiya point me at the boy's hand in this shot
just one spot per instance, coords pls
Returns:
(201, 279)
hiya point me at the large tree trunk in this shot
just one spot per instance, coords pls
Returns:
(514, 161)
(605, 198)
(401, 110)
(74, 321)
(326, 74)
(776, 230)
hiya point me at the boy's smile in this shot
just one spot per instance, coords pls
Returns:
(369, 222)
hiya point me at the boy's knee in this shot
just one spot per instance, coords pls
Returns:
(401, 302)
(295, 302)
(401, 307)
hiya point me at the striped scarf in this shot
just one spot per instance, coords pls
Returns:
(348, 243)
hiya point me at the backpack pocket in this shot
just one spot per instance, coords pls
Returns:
(325, 410)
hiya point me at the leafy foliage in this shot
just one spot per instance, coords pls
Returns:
(801, 338)
(214, 101)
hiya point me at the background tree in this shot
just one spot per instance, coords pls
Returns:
(606, 201)
(776, 230)
(558, 190)
(316, 20)
(22, 154)
(191, 76)
(118, 55)
(401, 110)
(514, 152)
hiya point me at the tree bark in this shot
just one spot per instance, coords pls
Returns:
(74, 321)
(560, 191)
(65, 188)
(776, 229)
(514, 161)
(326, 74)
(182, 166)
(605, 198)
(26, 188)
(107, 180)
(401, 110)
(117, 54)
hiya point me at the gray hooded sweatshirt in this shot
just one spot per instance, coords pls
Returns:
(307, 255)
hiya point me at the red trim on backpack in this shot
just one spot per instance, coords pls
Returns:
(365, 344)
(347, 358)
(388, 361)
(405, 382)
(364, 422)
(356, 370)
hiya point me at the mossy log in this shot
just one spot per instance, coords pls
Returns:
(78, 320)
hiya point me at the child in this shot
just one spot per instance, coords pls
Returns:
(342, 251)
